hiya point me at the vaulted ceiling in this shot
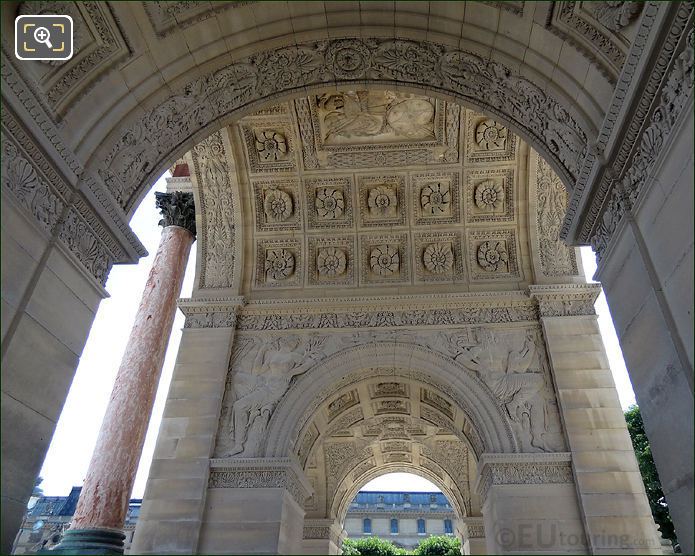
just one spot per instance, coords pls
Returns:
(373, 189)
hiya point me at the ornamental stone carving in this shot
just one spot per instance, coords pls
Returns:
(438, 258)
(616, 15)
(271, 146)
(385, 260)
(331, 261)
(489, 195)
(279, 264)
(492, 256)
(177, 209)
(382, 201)
(435, 199)
(132, 160)
(260, 388)
(277, 205)
(489, 135)
(329, 203)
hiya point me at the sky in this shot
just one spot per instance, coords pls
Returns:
(68, 457)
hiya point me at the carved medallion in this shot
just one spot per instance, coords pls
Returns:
(491, 136)
(331, 261)
(382, 201)
(279, 264)
(435, 199)
(493, 256)
(271, 146)
(438, 258)
(329, 203)
(489, 195)
(385, 260)
(277, 205)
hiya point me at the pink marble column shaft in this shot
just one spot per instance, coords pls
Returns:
(106, 491)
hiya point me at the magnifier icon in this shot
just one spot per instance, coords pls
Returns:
(43, 36)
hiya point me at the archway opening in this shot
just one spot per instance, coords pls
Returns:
(401, 508)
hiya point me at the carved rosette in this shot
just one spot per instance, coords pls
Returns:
(177, 209)
(438, 258)
(491, 136)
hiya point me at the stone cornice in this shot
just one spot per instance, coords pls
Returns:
(323, 529)
(473, 527)
(522, 468)
(211, 312)
(260, 473)
(565, 300)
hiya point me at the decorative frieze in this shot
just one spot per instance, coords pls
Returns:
(567, 300)
(131, 161)
(211, 313)
(522, 469)
(260, 473)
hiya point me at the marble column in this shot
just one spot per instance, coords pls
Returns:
(97, 524)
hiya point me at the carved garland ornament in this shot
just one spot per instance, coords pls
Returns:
(133, 159)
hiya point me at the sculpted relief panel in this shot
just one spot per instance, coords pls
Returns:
(512, 363)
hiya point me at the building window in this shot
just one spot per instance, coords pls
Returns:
(448, 529)
(367, 526)
(394, 526)
(421, 527)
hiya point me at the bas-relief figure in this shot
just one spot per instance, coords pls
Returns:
(516, 378)
(258, 390)
(374, 116)
(512, 368)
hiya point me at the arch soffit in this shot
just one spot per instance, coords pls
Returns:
(132, 160)
(341, 503)
(414, 362)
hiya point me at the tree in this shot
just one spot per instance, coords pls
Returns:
(439, 546)
(370, 546)
(650, 476)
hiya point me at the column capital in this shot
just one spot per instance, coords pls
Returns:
(177, 209)
(520, 469)
(565, 300)
(260, 473)
(473, 527)
(220, 312)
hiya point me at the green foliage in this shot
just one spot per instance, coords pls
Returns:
(650, 477)
(439, 546)
(371, 546)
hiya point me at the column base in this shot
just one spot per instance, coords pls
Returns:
(90, 541)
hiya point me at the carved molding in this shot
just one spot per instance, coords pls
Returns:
(626, 185)
(260, 473)
(168, 16)
(522, 469)
(211, 313)
(473, 528)
(630, 129)
(567, 300)
(131, 160)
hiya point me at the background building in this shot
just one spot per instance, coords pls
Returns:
(405, 518)
(48, 516)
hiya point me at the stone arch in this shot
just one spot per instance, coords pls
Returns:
(341, 505)
(408, 360)
(552, 123)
